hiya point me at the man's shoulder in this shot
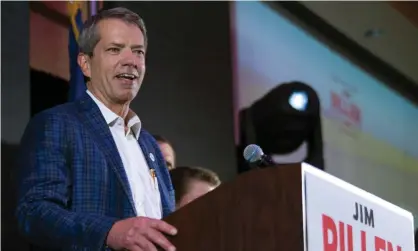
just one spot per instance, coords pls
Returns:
(50, 124)
(64, 112)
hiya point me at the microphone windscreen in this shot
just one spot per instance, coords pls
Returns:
(253, 153)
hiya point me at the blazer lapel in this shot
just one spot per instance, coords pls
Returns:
(100, 131)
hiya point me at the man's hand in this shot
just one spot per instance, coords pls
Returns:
(140, 234)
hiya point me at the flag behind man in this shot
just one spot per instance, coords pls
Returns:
(77, 84)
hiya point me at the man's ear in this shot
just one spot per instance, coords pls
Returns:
(84, 63)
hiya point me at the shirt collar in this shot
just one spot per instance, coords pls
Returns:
(134, 123)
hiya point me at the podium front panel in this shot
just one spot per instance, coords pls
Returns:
(340, 216)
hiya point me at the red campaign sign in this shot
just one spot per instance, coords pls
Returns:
(342, 104)
(339, 237)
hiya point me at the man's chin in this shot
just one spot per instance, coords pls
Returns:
(126, 96)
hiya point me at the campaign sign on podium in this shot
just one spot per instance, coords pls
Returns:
(342, 217)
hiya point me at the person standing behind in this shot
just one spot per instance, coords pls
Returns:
(168, 151)
(191, 183)
(90, 177)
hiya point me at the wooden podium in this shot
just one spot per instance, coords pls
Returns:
(261, 210)
(291, 208)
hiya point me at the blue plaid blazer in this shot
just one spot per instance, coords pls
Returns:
(72, 185)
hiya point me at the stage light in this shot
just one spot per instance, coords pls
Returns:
(283, 119)
(298, 100)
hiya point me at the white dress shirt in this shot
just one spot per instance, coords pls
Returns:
(144, 187)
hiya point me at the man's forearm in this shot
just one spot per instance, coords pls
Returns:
(51, 226)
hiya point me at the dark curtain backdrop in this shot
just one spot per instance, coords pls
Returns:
(15, 108)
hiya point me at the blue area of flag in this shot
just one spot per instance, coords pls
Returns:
(77, 84)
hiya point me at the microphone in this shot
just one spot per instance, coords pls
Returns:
(255, 156)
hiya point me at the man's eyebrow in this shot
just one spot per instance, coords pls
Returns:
(117, 45)
(137, 46)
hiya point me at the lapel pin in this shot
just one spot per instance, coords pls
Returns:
(151, 156)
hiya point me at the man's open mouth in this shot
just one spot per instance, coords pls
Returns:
(128, 76)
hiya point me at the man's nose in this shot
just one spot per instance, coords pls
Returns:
(130, 59)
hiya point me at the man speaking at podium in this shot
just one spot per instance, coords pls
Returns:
(90, 177)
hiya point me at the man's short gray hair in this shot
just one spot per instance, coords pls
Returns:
(90, 36)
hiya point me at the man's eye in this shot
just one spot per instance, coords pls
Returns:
(114, 50)
(139, 52)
